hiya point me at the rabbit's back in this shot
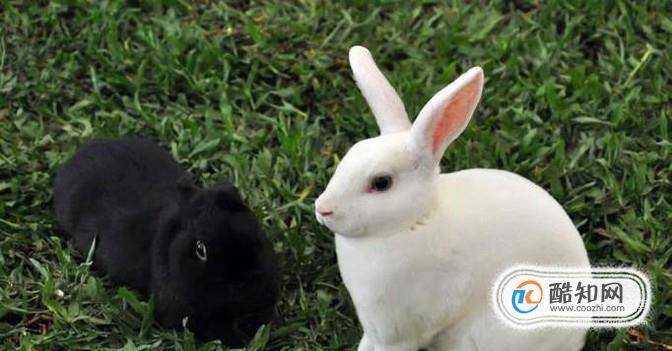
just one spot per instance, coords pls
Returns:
(114, 191)
(511, 215)
(499, 220)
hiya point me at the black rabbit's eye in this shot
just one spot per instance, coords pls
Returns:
(381, 183)
(201, 251)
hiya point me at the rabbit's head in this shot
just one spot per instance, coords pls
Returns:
(389, 181)
(219, 276)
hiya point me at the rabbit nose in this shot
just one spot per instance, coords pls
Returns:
(321, 209)
(325, 212)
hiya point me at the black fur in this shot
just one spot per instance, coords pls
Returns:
(147, 215)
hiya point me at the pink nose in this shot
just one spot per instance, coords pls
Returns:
(325, 213)
(322, 210)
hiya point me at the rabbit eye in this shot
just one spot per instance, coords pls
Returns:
(201, 251)
(381, 183)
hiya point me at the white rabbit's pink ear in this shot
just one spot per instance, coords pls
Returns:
(446, 115)
(384, 101)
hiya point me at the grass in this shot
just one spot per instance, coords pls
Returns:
(578, 99)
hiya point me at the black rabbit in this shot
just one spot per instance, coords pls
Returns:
(199, 252)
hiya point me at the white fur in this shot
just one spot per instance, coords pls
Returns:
(419, 260)
(384, 101)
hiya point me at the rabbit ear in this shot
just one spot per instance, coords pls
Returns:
(385, 104)
(446, 115)
(227, 197)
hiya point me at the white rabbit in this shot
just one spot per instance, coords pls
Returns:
(418, 250)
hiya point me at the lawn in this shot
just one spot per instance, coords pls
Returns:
(578, 98)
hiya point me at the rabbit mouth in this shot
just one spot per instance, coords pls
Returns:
(319, 218)
(326, 220)
(333, 223)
